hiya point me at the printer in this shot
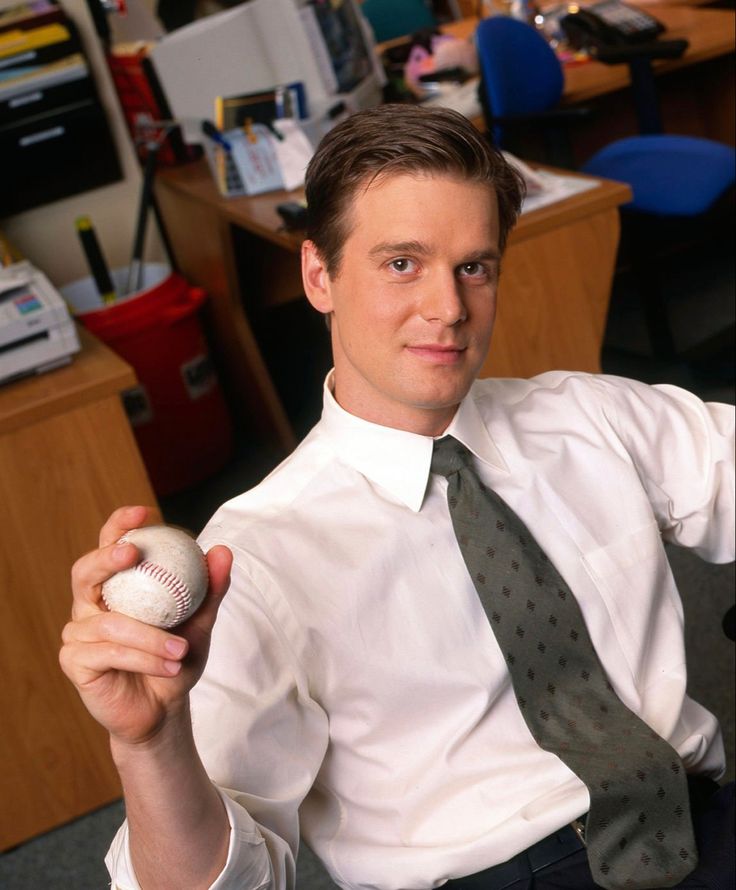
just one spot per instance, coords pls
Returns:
(36, 329)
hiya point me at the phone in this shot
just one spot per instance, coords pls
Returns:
(609, 23)
(293, 214)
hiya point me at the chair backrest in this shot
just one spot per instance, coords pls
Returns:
(520, 73)
(397, 18)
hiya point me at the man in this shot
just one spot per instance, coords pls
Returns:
(356, 691)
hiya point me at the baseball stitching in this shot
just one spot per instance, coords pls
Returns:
(175, 586)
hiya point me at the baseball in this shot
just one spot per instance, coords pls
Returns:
(169, 582)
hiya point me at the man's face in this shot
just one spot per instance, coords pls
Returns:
(413, 302)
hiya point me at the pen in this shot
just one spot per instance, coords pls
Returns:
(274, 132)
(210, 130)
(96, 261)
(248, 130)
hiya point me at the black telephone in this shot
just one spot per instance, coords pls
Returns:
(609, 23)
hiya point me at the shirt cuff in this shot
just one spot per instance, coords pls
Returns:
(247, 864)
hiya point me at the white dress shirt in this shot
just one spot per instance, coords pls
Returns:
(355, 691)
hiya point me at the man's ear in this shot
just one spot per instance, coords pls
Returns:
(315, 279)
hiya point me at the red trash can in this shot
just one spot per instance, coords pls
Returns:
(177, 411)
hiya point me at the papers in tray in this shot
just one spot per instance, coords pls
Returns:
(544, 187)
(556, 187)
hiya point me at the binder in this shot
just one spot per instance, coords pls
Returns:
(37, 46)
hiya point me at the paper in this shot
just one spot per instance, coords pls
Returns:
(293, 153)
(256, 160)
(556, 188)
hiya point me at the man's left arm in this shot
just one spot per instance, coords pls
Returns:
(683, 449)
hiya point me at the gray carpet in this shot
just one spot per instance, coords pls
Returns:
(702, 298)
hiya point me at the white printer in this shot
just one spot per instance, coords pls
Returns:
(36, 330)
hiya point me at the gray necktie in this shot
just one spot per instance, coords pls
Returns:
(638, 830)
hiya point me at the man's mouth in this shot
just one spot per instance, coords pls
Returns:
(438, 353)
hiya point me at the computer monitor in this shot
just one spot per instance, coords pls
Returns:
(325, 44)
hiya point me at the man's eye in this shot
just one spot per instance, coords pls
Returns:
(473, 270)
(402, 264)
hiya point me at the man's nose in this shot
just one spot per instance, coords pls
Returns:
(442, 299)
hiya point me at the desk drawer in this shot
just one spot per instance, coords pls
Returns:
(55, 155)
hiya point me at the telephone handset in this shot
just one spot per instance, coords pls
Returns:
(609, 23)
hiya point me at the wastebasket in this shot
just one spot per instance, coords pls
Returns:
(177, 411)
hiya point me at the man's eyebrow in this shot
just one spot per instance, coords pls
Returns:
(414, 248)
(397, 248)
(478, 256)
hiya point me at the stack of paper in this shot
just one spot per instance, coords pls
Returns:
(15, 82)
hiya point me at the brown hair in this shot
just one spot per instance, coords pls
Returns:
(399, 139)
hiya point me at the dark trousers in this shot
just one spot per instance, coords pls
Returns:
(713, 820)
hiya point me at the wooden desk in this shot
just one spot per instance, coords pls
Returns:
(697, 93)
(68, 458)
(710, 33)
(553, 297)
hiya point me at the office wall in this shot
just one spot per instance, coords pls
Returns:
(46, 235)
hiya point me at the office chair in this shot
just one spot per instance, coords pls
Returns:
(521, 87)
(397, 18)
(674, 179)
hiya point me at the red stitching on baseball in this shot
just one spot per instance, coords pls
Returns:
(175, 586)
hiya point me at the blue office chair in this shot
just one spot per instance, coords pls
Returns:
(521, 87)
(397, 18)
(673, 178)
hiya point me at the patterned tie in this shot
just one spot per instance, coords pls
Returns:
(638, 830)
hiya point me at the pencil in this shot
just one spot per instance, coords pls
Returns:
(96, 261)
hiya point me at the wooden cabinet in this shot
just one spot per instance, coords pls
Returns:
(67, 459)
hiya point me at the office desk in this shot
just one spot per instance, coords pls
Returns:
(553, 296)
(697, 93)
(68, 458)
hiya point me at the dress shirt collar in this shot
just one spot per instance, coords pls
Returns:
(397, 460)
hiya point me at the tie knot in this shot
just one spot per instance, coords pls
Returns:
(449, 456)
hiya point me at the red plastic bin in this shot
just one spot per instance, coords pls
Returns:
(177, 411)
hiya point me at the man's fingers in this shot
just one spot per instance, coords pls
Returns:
(91, 570)
(121, 521)
(84, 663)
(110, 641)
(219, 562)
(114, 627)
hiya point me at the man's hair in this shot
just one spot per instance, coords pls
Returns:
(399, 139)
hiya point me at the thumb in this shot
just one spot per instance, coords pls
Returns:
(219, 564)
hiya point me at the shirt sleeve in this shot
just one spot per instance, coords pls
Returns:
(249, 707)
(248, 863)
(683, 450)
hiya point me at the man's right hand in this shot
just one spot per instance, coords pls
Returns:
(133, 677)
